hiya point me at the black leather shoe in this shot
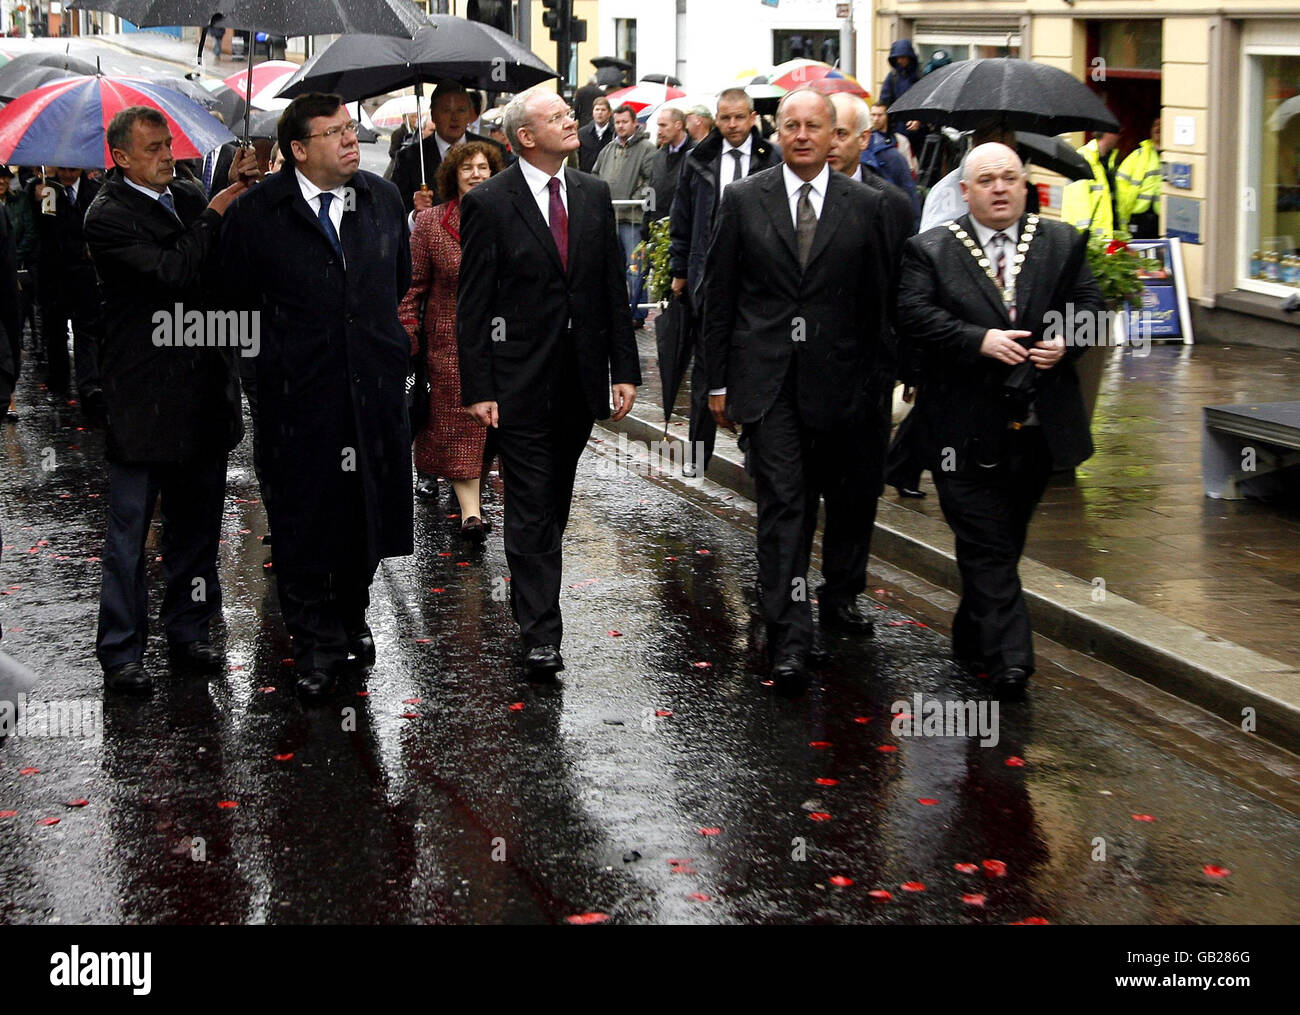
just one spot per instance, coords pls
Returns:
(92, 401)
(543, 662)
(316, 684)
(789, 670)
(845, 617)
(427, 487)
(475, 529)
(195, 656)
(128, 678)
(361, 650)
(908, 491)
(1009, 685)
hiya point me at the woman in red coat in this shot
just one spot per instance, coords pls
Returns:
(451, 443)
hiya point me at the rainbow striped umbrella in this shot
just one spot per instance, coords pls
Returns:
(64, 123)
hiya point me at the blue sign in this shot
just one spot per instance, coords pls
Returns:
(1180, 175)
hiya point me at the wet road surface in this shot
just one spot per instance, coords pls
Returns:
(659, 782)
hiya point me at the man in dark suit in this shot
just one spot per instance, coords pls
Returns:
(450, 113)
(544, 328)
(68, 291)
(733, 150)
(986, 298)
(793, 311)
(593, 137)
(322, 250)
(173, 408)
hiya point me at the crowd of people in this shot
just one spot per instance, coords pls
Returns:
(503, 264)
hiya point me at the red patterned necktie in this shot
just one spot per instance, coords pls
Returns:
(559, 222)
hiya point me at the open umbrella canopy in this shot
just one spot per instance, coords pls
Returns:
(155, 13)
(1053, 153)
(323, 17)
(796, 73)
(445, 48)
(643, 94)
(64, 123)
(1020, 94)
(31, 70)
(832, 85)
(267, 79)
(390, 115)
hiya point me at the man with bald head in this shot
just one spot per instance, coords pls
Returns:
(794, 304)
(988, 299)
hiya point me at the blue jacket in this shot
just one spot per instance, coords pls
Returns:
(884, 159)
(899, 80)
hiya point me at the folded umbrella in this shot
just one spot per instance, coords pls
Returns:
(673, 343)
(1019, 94)
(63, 124)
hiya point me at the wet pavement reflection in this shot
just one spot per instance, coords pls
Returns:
(659, 782)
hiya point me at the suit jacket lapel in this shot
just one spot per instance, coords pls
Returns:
(972, 267)
(578, 217)
(778, 208)
(524, 203)
(1025, 289)
(829, 221)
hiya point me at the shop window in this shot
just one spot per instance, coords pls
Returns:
(1270, 201)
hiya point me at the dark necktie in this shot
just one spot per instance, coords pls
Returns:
(327, 223)
(807, 224)
(735, 169)
(165, 199)
(559, 221)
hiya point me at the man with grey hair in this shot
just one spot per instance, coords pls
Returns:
(699, 121)
(999, 404)
(732, 150)
(173, 408)
(545, 339)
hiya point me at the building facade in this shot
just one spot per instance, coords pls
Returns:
(1222, 76)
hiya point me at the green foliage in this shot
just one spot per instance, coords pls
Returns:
(1116, 267)
(659, 281)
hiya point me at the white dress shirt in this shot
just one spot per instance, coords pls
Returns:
(984, 237)
(145, 190)
(727, 167)
(856, 175)
(816, 196)
(311, 194)
(540, 183)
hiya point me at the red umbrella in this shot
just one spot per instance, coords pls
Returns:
(829, 86)
(643, 94)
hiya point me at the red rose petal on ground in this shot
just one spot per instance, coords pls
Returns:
(929, 801)
(1029, 921)
(684, 870)
(1015, 762)
(449, 517)
(363, 694)
(913, 886)
(819, 816)
(616, 634)
(663, 713)
(462, 563)
(265, 690)
(410, 715)
(904, 715)
(881, 894)
(518, 706)
(701, 665)
(585, 918)
(284, 757)
(702, 553)
(29, 771)
(767, 683)
(423, 641)
(699, 897)
(819, 744)
(862, 719)
(886, 748)
(412, 701)
(1143, 817)
(973, 899)
(840, 881)
(1215, 871)
(227, 805)
(47, 821)
(827, 782)
(76, 803)
(287, 661)
(710, 831)
(445, 553)
(234, 667)
(8, 814)
(995, 867)
(438, 590)
(966, 868)
(670, 558)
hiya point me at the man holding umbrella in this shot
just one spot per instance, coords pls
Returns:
(999, 404)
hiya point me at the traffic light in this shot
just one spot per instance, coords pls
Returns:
(577, 30)
(556, 17)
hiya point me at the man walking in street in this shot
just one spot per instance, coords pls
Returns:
(732, 151)
(321, 249)
(625, 165)
(999, 405)
(795, 298)
(173, 408)
(545, 340)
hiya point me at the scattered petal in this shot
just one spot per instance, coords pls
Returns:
(966, 868)
(702, 553)
(702, 665)
(710, 831)
(423, 641)
(462, 563)
(827, 782)
(913, 886)
(1015, 762)
(881, 894)
(616, 634)
(47, 821)
(819, 816)
(29, 771)
(973, 899)
(585, 918)
(928, 801)
(82, 802)
(663, 713)
(1215, 871)
(412, 701)
(266, 690)
(410, 715)
(862, 719)
(699, 897)
(8, 814)
(840, 881)
(819, 744)
(1029, 920)
(670, 558)
(1144, 817)
(227, 805)
(287, 661)
(886, 748)
(438, 590)
(284, 757)
(363, 694)
(235, 667)
(518, 706)
(996, 868)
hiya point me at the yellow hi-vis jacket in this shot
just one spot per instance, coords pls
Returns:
(1139, 181)
(1086, 204)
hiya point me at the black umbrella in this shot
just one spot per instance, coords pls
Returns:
(673, 343)
(662, 79)
(1019, 94)
(31, 70)
(1053, 153)
(611, 61)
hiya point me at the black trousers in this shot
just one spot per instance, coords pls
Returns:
(538, 463)
(703, 429)
(78, 302)
(192, 498)
(989, 510)
(794, 466)
(324, 611)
